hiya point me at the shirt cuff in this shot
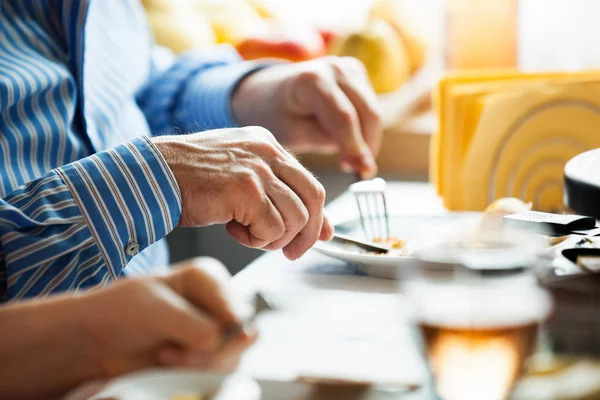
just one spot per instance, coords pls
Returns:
(206, 101)
(128, 196)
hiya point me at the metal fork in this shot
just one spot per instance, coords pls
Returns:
(372, 206)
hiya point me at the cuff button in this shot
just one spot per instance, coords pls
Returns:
(132, 249)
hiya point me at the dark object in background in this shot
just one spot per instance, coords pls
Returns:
(582, 183)
(557, 224)
(575, 325)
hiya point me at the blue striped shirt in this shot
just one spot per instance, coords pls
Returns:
(82, 188)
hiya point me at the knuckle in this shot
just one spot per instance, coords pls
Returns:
(262, 169)
(318, 193)
(321, 194)
(299, 219)
(310, 76)
(264, 132)
(375, 116)
(248, 184)
(303, 217)
(348, 116)
(355, 64)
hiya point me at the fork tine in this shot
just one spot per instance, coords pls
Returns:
(387, 218)
(372, 207)
(372, 201)
(362, 215)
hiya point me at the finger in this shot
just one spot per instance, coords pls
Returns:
(206, 283)
(312, 194)
(327, 229)
(265, 225)
(226, 358)
(353, 80)
(337, 115)
(292, 210)
(182, 322)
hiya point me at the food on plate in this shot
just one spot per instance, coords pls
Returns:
(493, 214)
(554, 241)
(392, 241)
(508, 205)
(589, 263)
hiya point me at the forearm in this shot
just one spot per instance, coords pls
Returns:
(81, 224)
(194, 93)
(43, 349)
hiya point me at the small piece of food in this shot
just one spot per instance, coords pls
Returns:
(553, 241)
(508, 205)
(493, 214)
(393, 242)
(589, 263)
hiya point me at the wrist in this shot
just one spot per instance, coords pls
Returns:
(251, 90)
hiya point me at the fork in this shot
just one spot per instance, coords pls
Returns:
(372, 206)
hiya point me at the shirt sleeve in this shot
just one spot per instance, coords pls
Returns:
(80, 224)
(193, 94)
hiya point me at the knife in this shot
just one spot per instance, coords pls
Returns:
(368, 246)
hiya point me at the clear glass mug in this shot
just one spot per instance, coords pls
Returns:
(476, 309)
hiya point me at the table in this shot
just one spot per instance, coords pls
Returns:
(331, 321)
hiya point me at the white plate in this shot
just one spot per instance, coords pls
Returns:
(405, 227)
(166, 384)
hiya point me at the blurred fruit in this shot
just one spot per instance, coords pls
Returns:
(232, 20)
(264, 9)
(157, 4)
(329, 37)
(293, 42)
(392, 12)
(381, 50)
(178, 26)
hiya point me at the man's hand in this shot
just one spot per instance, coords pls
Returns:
(322, 106)
(244, 178)
(180, 319)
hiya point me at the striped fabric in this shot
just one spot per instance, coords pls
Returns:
(82, 188)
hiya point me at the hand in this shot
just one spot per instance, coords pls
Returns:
(179, 319)
(244, 178)
(324, 106)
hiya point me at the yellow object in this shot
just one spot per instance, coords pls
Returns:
(176, 24)
(391, 11)
(264, 9)
(380, 49)
(231, 20)
(481, 34)
(180, 29)
(507, 134)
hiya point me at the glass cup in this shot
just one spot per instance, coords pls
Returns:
(477, 308)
